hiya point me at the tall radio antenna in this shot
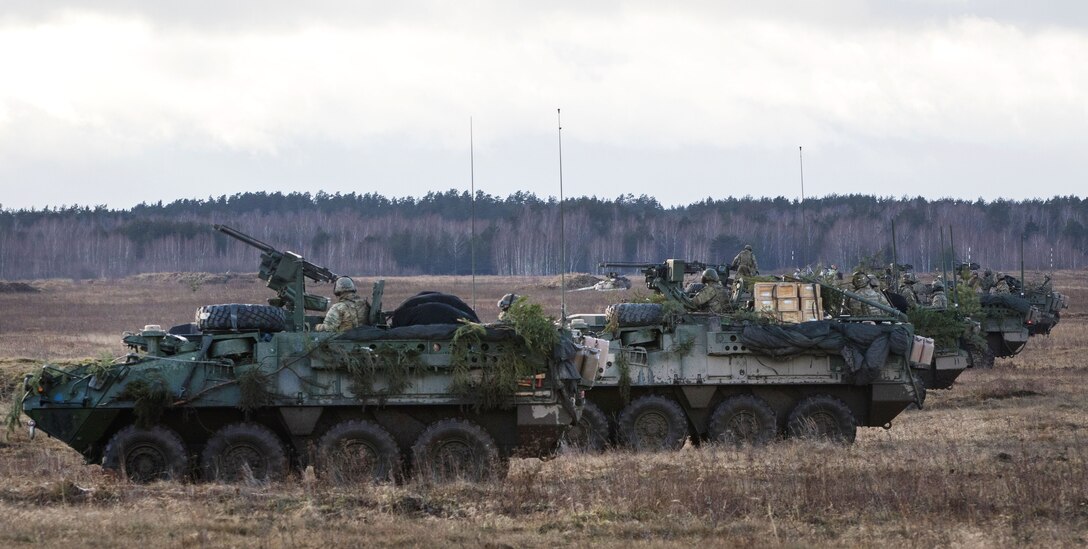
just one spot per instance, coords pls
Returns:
(562, 235)
(472, 186)
(804, 223)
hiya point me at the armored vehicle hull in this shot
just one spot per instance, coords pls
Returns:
(251, 403)
(666, 375)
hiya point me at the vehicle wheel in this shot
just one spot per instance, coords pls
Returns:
(236, 317)
(590, 434)
(822, 417)
(653, 423)
(243, 452)
(452, 449)
(743, 419)
(980, 356)
(357, 451)
(635, 314)
(145, 455)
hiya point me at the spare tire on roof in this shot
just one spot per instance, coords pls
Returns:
(635, 314)
(237, 317)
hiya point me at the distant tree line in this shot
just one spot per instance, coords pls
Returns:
(370, 234)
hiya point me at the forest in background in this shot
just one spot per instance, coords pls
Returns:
(370, 234)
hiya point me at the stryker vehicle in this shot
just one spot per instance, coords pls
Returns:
(1008, 320)
(666, 373)
(249, 389)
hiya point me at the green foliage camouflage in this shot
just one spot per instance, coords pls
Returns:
(253, 389)
(151, 396)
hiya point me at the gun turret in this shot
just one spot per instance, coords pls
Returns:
(668, 277)
(285, 272)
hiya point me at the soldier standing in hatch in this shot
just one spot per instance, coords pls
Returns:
(349, 311)
(987, 283)
(1002, 286)
(504, 305)
(745, 262)
(907, 289)
(713, 298)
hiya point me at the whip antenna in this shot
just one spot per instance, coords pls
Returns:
(562, 236)
(804, 227)
(472, 207)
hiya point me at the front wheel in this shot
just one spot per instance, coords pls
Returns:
(653, 422)
(822, 417)
(244, 452)
(590, 434)
(145, 455)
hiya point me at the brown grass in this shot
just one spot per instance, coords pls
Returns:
(998, 460)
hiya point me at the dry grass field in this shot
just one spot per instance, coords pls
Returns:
(1001, 459)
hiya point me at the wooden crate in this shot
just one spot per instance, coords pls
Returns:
(785, 289)
(809, 291)
(763, 290)
(793, 317)
(788, 304)
(812, 307)
(765, 304)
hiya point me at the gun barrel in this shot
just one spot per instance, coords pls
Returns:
(628, 264)
(244, 238)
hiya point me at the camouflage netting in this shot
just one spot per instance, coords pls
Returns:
(1007, 301)
(862, 346)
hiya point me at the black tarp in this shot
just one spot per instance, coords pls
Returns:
(862, 346)
(1008, 301)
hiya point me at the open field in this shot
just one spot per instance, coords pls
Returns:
(1000, 459)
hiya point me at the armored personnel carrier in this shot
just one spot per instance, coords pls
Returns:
(772, 367)
(1009, 320)
(249, 390)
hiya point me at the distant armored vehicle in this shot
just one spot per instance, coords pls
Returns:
(249, 390)
(770, 368)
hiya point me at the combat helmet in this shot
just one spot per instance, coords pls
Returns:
(343, 285)
(506, 301)
(748, 247)
(710, 275)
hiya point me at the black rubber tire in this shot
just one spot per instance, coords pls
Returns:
(635, 314)
(240, 317)
(455, 449)
(399, 314)
(243, 452)
(822, 417)
(590, 434)
(358, 451)
(743, 419)
(653, 422)
(146, 455)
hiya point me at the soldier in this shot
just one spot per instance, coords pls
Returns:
(987, 283)
(504, 305)
(1002, 286)
(939, 299)
(744, 264)
(349, 311)
(906, 289)
(713, 297)
(866, 285)
(974, 281)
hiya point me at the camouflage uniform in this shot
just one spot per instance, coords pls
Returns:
(987, 283)
(713, 298)
(939, 299)
(1002, 286)
(906, 289)
(864, 287)
(745, 262)
(347, 313)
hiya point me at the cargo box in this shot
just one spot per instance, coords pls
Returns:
(788, 304)
(785, 289)
(808, 291)
(765, 304)
(793, 317)
(763, 290)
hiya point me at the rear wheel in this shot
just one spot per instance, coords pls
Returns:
(653, 422)
(452, 449)
(822, 417)
(357, 451)
(590, 434)
(743, 419)
(244, 452)
(146, 455)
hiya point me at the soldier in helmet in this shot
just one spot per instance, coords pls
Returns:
(987, 282)
(349, 311)
(713, 297)
(745, 262)
(504, 305)
(1002, 285)
(906, 289)
(938, 300)
(865, 285)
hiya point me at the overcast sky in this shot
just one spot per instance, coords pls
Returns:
(133, 101)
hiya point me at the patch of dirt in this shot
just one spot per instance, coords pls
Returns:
(192, 278)
(17, 288)
(574, 281)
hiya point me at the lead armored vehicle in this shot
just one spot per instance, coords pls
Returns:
(249, 390)
(772, 367)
